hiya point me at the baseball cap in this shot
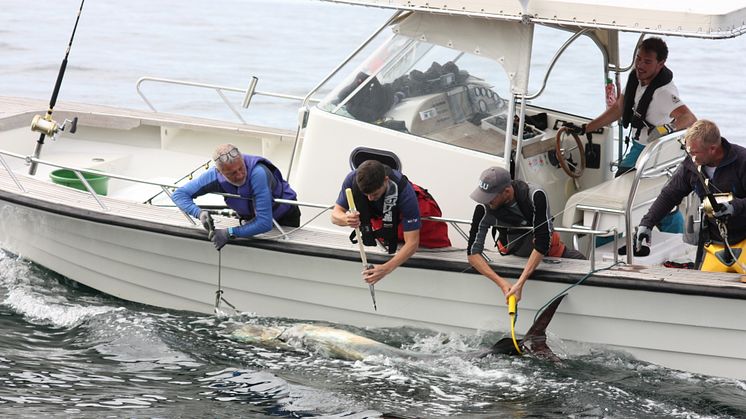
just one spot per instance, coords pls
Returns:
(491, 183)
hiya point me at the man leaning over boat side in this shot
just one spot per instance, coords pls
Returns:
(723, 166)
(504, 204)
(255, 179)
(651, 105)
(385, 194)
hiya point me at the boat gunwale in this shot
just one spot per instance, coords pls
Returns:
(614, 278)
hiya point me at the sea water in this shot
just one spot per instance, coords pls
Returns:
(290, 45)
(72, 352)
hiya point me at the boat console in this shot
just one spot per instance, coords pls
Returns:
(470, 115)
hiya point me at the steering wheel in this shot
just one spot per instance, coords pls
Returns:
(565, 151)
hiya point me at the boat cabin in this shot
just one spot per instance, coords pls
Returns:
(442, 86)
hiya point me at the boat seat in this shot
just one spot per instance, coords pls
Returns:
(663, 247)
(610, 198)
(602, 207)
(361, 154)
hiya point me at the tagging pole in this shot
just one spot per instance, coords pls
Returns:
(219, 292)
(46, 125)
(363, 258)
(512, 312)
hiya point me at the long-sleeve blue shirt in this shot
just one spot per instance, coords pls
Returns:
(260, 180)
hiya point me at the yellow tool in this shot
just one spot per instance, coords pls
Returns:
(512, 309)
(351, 205)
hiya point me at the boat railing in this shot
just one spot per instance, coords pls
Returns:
(661, 166)
(653, 162)
(167, 188)
(574, 230)
(248, 93)
(79, 173)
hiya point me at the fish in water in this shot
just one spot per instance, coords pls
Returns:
(327, 341)
(535, 340)
(341, 344)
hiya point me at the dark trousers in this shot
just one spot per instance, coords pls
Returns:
(572, 253)
(291, 218)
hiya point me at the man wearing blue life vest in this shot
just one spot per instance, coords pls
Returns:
(651, 108)
(255, 179)
(386, 195)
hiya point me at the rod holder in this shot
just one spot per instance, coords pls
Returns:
(249, 92)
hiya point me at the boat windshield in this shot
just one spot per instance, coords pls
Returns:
(428, 90)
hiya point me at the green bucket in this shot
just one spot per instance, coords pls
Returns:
(65, 177)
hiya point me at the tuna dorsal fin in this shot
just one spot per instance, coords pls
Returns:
(535, 339)
(539, 328)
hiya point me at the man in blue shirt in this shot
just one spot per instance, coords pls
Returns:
(255, 180)
(384, 198)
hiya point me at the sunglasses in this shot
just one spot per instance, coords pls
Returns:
(232, 154)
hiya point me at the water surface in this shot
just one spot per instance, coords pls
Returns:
(72, 352)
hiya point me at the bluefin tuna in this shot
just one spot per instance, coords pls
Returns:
(341, 344)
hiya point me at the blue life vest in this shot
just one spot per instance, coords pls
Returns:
(244, 206)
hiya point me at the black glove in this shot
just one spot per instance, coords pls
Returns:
(726, 210)
(642, 238)
(219, 238)
(206, 219)
(574, 129)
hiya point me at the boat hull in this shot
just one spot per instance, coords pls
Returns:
(177, 268)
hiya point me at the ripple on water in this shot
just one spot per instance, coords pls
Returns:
(90, 355)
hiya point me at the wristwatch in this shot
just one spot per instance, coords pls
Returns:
(230, 233)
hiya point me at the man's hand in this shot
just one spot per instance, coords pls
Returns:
(219, 238)
(206, 219)
(375, 273)
(642, 237)
(659, 131)
(726, 209)
(352, 218)
(516, 290)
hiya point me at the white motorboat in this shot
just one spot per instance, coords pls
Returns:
(448, 124)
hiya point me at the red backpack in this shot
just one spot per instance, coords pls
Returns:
(433, 234)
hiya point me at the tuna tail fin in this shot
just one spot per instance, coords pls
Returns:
(536, 337)
(535, 340)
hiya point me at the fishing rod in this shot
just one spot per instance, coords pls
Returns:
(45, 124)
(714, 206)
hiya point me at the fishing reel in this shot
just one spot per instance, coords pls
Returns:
(720, 198)
(49, 127)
